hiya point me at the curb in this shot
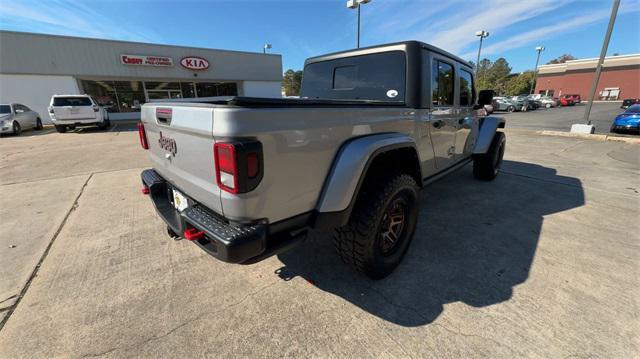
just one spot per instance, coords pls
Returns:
(590, 137)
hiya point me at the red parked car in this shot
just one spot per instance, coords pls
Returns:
(575, 98)
(565, 100)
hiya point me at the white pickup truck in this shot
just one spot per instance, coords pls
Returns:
(245, 178)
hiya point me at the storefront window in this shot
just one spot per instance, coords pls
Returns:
(211, 89)
(153, 86)
(188, 89)
(128, 96)
(116, 96)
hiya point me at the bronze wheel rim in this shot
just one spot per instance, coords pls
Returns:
(393, 223)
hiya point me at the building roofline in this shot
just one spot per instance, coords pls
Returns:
(579, 61)
(132, 42)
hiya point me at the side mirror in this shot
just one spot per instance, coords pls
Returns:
(485, 97)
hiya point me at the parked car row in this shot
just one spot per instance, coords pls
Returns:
(66, 112)
(532, 102)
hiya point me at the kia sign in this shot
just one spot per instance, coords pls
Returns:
(194, 63)
(146, 60)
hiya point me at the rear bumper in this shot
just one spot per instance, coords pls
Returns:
(229, 242)
(77, 122)
(625, 127)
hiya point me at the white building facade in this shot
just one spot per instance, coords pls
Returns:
(124, 75)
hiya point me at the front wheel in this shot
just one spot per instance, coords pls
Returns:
(511, 109)
(486, 166)
(17, 129)
(381, 226)
(547, 105)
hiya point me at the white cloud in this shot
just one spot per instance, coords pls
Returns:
(494, 16)
(545, 32)
(68, 17)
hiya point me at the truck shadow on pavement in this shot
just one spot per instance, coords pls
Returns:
(474, 242)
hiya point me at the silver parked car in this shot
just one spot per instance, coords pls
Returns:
(15, 117)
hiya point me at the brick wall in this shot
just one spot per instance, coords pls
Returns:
(579, 82)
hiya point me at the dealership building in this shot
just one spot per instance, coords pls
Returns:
(124, 75)
(619, 79)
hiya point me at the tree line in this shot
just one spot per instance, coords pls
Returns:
(495, 75)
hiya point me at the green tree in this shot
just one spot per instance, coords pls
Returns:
(483, 82)
(493, 76)
(520, 84)
(561, 59)
(291, 82)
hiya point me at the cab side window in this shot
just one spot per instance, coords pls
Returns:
(466, 88)
(442, 83)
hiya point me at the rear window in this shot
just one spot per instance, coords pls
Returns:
(5, 109)
(71, 101)
(374, 77)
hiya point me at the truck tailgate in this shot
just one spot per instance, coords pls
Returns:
(181, 148)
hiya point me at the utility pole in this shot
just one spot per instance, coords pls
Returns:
(482, 34)
(603, 53)
(535, 69)
(355, 4)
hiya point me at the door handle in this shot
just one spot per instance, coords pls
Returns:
(438, 124)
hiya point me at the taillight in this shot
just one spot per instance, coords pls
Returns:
(238, 165)
(143, 136)
(227, 172)
(51, 110)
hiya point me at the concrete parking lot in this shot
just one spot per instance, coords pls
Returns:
(561, 118)
(544, 262)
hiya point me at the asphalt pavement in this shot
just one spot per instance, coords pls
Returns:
(561, 118)
(543, 262)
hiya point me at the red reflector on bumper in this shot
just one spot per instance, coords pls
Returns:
(145, 190)
(192, 234)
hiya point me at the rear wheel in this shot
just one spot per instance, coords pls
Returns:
(38, 124)
(61, 128)
(486, 166)
(17, 129)
(104, 124)
(548, 105)
(511, 109)
(381, 226)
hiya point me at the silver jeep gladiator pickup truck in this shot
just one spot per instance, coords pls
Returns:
(245, 178)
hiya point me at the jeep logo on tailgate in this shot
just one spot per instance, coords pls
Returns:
(168, 144)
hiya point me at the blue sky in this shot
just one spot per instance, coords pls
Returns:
(300, 29)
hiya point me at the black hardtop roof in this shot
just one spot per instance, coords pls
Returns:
(403, 45)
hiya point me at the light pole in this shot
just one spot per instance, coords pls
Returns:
(481, 34)
(355, 4)
(535, 69)
(265, 48)
(603, 52)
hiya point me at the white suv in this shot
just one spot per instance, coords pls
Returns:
(69, 111)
